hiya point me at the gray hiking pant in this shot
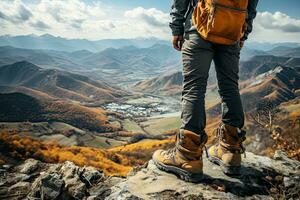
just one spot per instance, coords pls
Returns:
(197, 55)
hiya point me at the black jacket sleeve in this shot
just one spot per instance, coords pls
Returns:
(178, 12)
(251, 15)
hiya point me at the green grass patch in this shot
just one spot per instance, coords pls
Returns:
(157, 126)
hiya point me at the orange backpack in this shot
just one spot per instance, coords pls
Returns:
(221, 21)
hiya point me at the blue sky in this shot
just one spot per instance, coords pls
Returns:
(277, 20)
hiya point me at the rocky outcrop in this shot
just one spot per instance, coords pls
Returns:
(263, 178)
(37, 180)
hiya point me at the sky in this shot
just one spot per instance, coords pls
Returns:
(277, 20)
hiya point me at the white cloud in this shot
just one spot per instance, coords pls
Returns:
(148, 22)
(78, 19)
(151, 17)
(278, 21)
(14, 12)
(275, 27)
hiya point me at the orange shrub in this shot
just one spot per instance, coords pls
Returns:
(23, 148)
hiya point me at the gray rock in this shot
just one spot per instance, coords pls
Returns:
(73, 184)
(288, 182)
(67, 181)
(20, 187)
(100, 191)
(29, 166)
(78, 191)
(292, 187)
(17, 177)
(151, 183)
(91, 175)
(51, 186)
(280, 155)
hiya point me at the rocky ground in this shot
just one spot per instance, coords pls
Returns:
(263, 178)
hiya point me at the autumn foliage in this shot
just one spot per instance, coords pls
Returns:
(117, 161)
(18, 107)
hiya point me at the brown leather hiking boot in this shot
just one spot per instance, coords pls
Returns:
(227, 151)
(185, 159)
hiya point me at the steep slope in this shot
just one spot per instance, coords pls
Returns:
(18, 107)
(263, 63)
(25, 90)
(260, 64)
(277, 86)
(57, 83)
(166, 84)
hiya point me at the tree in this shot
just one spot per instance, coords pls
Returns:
(265, 115)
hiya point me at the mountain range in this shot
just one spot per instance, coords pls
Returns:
(263, 63)
(126, 64)
(57, 83)
(272, 78)
(20, 107)
(53, 89)
(122, 62)
(51, 42)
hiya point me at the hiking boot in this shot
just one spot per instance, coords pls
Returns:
(227, 151)
(185, 159)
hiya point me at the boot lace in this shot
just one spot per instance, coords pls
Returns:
(219, 136)
(170, 153)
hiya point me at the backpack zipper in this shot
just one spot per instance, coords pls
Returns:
(229, 7)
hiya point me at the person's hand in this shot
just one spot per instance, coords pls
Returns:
(241, 43)
(178, 42)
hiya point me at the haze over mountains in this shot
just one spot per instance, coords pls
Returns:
(119, 62)
(51, 42)
(56, 83)
(126, 64)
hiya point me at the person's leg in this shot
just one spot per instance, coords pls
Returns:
(197, 55)
(185, 159)
(227, 151)
(226, 61)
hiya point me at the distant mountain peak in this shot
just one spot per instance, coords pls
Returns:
(26, 64)
(47, 35)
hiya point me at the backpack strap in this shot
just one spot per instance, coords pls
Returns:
(193, 3)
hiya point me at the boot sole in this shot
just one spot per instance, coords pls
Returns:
(228, 170)
(182, 174)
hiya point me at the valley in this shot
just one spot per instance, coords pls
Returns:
(123, 102)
